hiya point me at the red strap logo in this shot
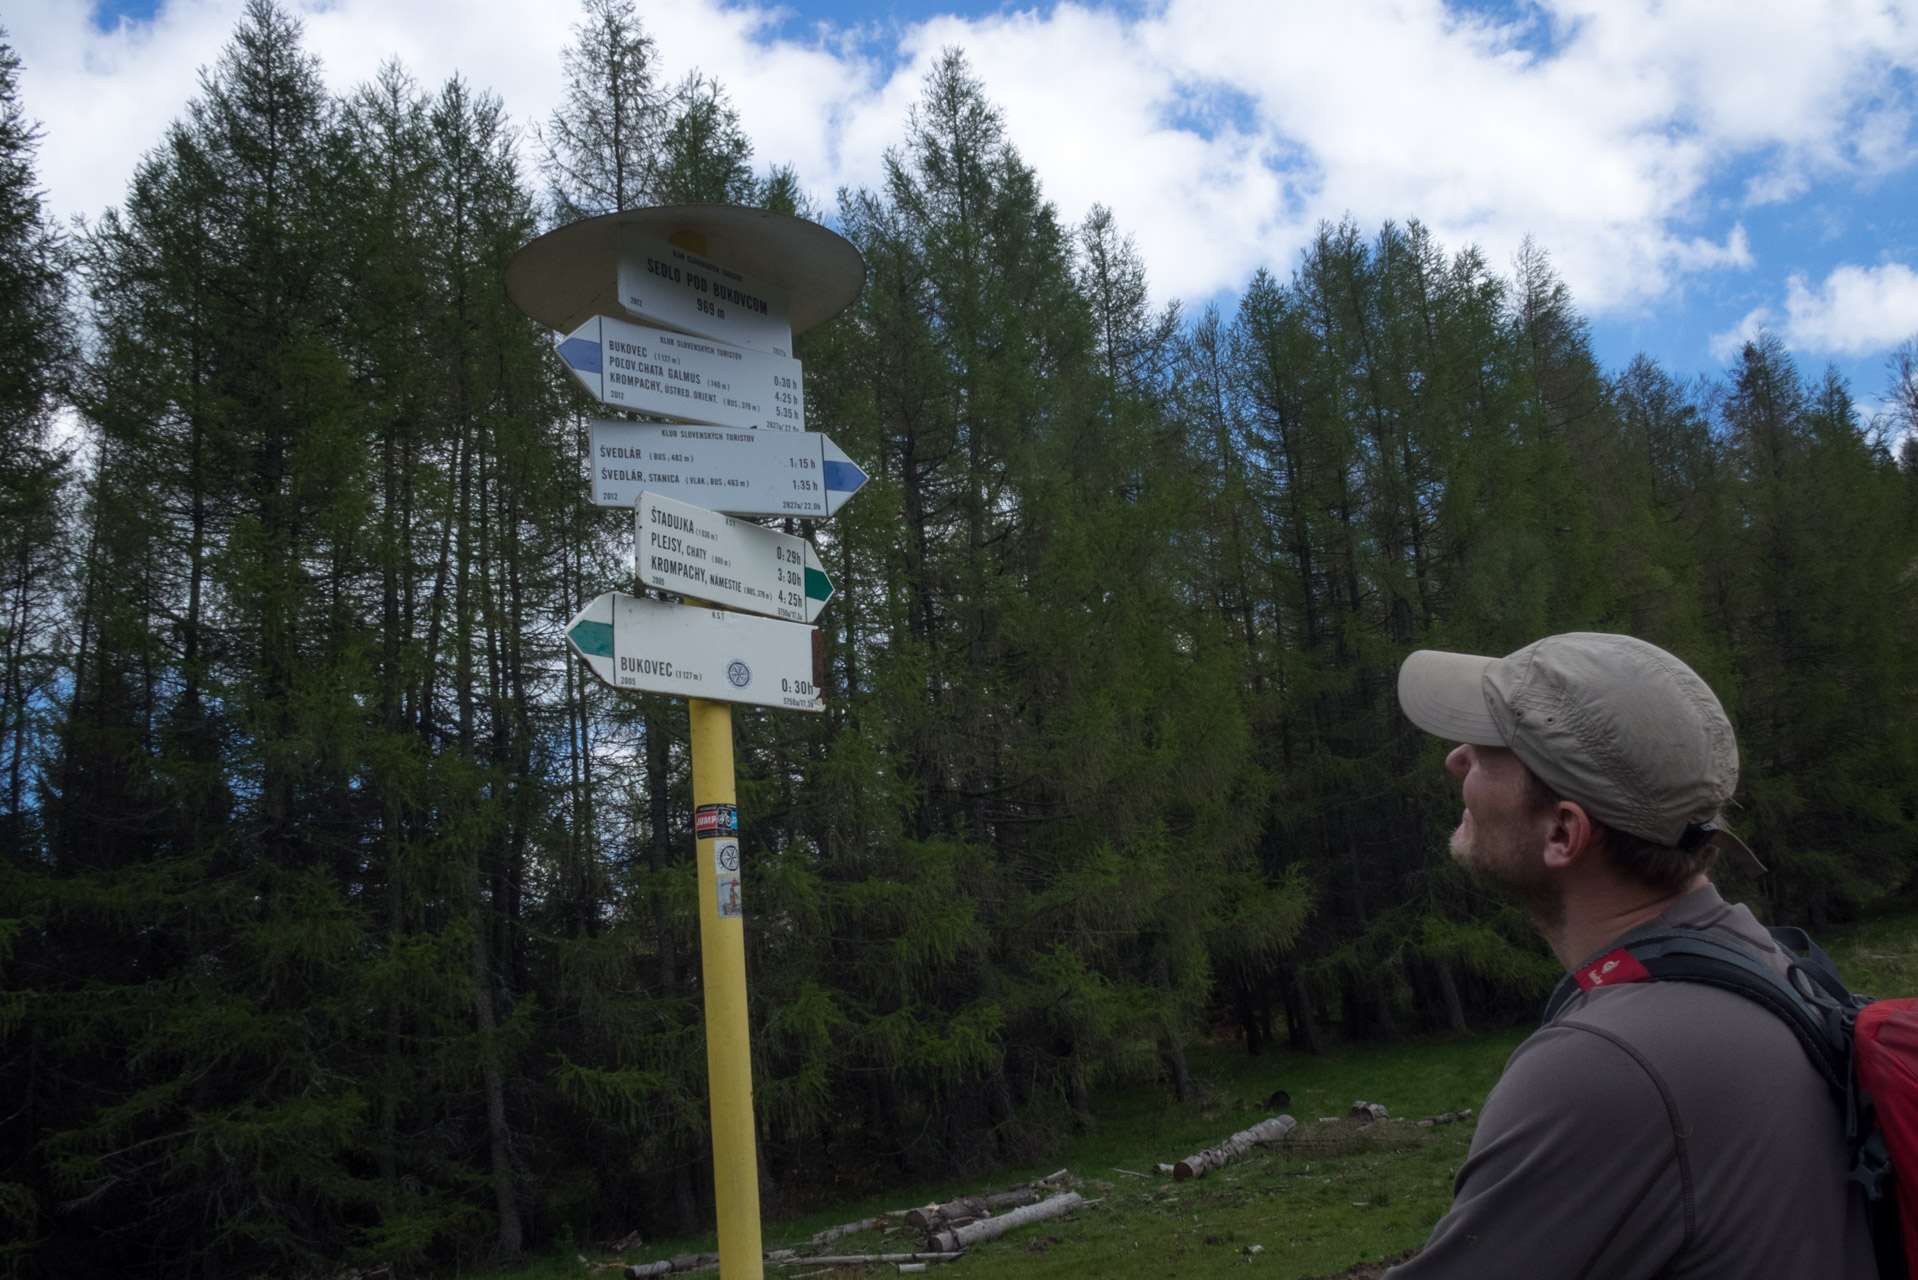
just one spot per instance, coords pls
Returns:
(1611, 969)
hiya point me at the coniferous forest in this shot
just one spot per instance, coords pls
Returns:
(343, 917)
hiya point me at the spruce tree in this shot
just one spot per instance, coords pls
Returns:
(36, 353)
(601, 150)
(1819, 593)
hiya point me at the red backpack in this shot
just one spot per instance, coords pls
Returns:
(1866, 1050)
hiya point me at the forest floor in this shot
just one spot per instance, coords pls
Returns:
(1335, 1198)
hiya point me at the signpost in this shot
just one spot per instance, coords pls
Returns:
(655, 646)
(672, 285)
(735, 284)
(691, 551)
(742, 473)
(688, 379)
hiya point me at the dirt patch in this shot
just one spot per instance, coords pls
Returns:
(1371, 1270)
(1348, 1137)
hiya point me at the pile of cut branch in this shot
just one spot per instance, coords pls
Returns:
(947, 1228)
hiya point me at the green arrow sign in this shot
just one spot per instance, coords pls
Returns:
(691, 551)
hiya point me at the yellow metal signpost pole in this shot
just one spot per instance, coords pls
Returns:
(722, 949)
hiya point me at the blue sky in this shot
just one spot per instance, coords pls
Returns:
(1695, 167)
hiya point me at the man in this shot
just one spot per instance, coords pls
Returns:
(1653, 1128)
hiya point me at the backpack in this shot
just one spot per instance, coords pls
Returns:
(1866, 1051)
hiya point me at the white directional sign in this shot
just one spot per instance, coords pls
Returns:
(655, 646)
(679, 376)
(695, 552)
(671, 286)
(742, 473)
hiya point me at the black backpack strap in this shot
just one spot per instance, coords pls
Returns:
(1811, 960)
(1817, 1015)
(1814, 1002)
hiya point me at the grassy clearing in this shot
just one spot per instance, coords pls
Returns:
(1877, 956)
(1334, 1194)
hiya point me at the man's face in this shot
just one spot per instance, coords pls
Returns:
(1501, 838)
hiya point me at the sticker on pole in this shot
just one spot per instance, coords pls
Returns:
(730, 908)
(710, 821)
(726, 858)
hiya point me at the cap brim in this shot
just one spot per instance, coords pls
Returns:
(1444, 694)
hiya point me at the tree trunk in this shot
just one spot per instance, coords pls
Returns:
(988, 1228)
(499, 1137)
(1448, 989)
(1302, 1025)
(1232, 1148)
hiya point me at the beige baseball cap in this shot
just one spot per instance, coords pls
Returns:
(1620, 726)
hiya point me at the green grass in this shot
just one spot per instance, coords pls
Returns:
(1877, 956)
(1332, 1195)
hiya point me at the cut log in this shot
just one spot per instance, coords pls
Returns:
(952, 1213)
(642, 1270)
(933, 1215)
(831, 1234)
(988, 1228)
(1369, 1111)
(1232, 1148)
(864, 1259)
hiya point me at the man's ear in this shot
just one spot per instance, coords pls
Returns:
(1571, 837)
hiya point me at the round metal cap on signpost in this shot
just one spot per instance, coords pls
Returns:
(745, 281)
(571, 274)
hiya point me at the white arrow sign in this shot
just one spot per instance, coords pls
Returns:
(671, 286)
(655, 646)
(742, 473)
(676, 375)
(695, 552)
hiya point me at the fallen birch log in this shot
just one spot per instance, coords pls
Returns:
(674, 1265)
(1232, 1148)
(861, 1259)
(1447, 1118)
(831, 1234)
(933, 1216)
(987, 1228)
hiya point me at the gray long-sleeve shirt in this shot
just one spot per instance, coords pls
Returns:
(1657, 1129)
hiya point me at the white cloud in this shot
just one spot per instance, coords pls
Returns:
(1603, 143)
(1857, 310)
(1854, 312)
(1728, 344)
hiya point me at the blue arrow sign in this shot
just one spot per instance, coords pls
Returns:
(741, 473)
(684, 378)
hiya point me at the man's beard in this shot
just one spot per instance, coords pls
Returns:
(1509, 861)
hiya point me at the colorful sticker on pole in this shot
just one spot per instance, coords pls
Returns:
(726, 858)
(730, 907)
(711, 821)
